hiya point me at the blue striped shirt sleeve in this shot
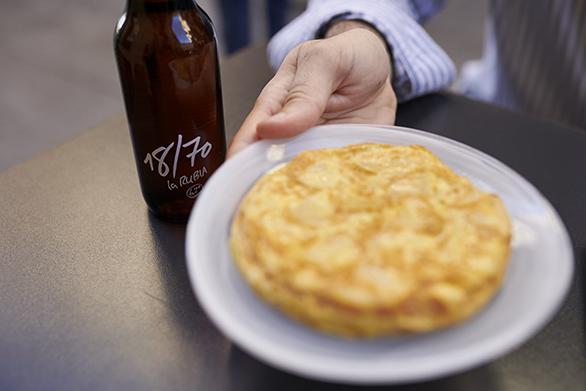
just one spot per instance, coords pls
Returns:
(420, 66)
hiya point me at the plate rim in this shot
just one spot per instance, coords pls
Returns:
(267, 353)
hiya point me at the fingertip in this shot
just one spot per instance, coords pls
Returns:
(232, 150)
(274, 128)
(281, 125)
(245, 136)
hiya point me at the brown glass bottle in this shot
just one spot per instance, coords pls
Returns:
(168, 64)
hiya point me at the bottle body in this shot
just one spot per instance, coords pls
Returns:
(168, 64)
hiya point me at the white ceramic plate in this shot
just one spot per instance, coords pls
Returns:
(537, 279)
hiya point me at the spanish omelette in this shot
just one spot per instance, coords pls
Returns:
(371, 240)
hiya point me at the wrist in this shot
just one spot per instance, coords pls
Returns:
(336, 27)
(341, 26)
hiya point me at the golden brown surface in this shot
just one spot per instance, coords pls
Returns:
(371, 240)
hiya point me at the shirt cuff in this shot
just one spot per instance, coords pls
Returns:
(420, 66)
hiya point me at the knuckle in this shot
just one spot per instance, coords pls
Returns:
(302, 94)
(299, 93)
(265, 104)
(306, 47)
(321, 51)
(260, 101)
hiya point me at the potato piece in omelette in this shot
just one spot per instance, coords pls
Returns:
(370, 240)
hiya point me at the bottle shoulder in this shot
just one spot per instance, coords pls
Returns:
(180, 31)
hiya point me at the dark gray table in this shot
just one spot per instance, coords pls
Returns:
(94, 292)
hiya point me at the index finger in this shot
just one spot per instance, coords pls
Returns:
(246, 135)
(269, 102)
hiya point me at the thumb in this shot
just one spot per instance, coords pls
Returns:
(306, 98)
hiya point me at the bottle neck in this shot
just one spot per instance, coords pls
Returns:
(159, 5)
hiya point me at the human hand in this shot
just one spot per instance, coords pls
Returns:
(341, 79)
